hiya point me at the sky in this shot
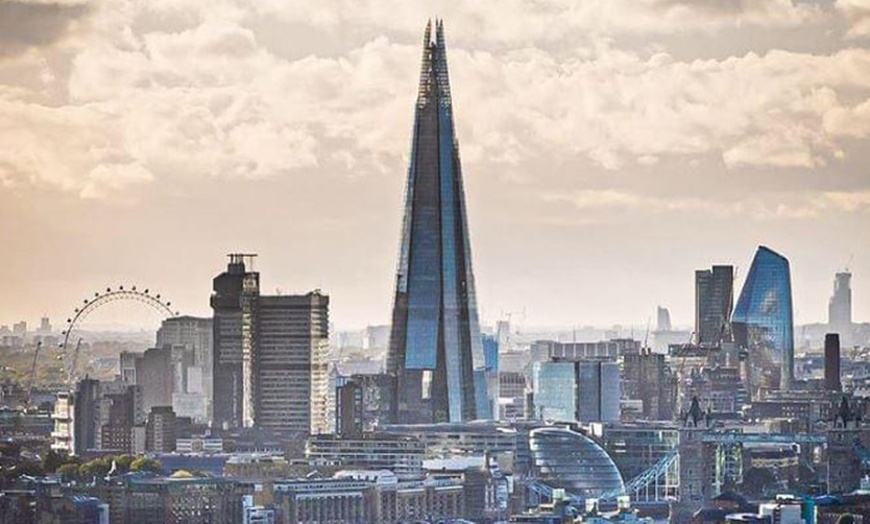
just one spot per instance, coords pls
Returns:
(609, 148)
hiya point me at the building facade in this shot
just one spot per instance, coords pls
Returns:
(191, 342)
(435, 352)
(840, 307)
(763, 320)
(270, 358)
(714, 298)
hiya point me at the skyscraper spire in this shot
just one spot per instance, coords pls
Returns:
(435, 352)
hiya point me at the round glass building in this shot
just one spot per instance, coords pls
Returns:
(572, 461)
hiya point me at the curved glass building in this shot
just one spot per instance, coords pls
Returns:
(572, 461)
(763, 321)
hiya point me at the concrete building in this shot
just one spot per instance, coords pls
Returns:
(290, 363)
(544, 350)
(270, 359)
(233, 303)
(512, 395)
(832, 362)
(646, 377)
(403, 455)
(160, 430)
(154, 376)
(349, 409)
(840, 307)
(191, 341)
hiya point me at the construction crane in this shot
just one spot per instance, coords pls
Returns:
(75, 359)
(31, 377)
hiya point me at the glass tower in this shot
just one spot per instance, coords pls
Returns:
(435, 353)
(763, 321)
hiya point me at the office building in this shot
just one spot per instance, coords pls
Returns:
(635, 448)
(290, 362)
(63, 436)
(663, 319)
(270, 355)
(568, 460)
(763, 319)
(160, 430)
(403, 455)
(714, 295)
(86, 416)
(191, 342)
(646, 377)
(544, 350)
(840, 307)
(232, 303)
(435, 350)
(117, 412)
(154, 375)
(832, 362)
(491, 347)
(349, 409)
(576, 391)
(462, 438)
(512, 395)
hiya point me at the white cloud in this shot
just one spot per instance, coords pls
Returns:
(857, 12)
(206, 96)
(803, 205)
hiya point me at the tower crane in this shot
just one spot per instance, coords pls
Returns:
(31, 377)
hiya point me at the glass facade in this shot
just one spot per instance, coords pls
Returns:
(555, 391)
(572, 461)
(763, 319)
(436, 355)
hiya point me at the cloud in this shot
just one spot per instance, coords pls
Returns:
(784, 206)
(192, 89)
(857, 13)
(27, 24)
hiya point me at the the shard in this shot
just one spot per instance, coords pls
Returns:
(435, 354)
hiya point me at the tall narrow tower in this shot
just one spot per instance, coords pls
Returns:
(435, 354)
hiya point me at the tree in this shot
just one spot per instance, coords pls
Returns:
(53, 460)
(68, 471)
(146, 464)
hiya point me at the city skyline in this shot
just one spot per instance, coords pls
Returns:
(557, 208)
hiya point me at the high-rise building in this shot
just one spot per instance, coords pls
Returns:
(154, 375)
(232, 302)
(160, 430)
(270, 355)
(349, 409)
(646, 377)
(832, 362)
(491, 347)
(191, 342)
(435, 349)
(291, 361)
(714, 296)
(582, 391)
(663, 319)
(86, 415)
(763, 320)
(840, 307)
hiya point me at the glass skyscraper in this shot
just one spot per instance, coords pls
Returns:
(435, 354)
(763, 321)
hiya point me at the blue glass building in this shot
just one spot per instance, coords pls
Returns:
(435, 354)
(763, 320)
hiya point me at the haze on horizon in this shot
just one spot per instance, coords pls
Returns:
(609, 148)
